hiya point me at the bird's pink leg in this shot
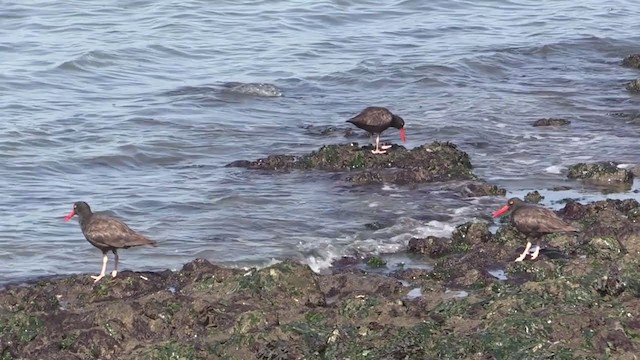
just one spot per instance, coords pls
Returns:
(536, 252)
(385, 147)
(104, 268)
(524, 253)
(377, 151)
(115, 269)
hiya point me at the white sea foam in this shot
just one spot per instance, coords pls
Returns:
(555, 169)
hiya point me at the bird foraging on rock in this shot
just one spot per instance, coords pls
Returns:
(534, 221)
(107, 234)
(375, 120)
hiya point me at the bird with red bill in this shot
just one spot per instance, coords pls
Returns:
(533, 221)
(375, 120)
(107, 234)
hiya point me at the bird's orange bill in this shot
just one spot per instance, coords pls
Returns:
(71, 214)
(501, 211)
(404, 139)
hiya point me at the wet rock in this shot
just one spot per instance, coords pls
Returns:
(478, 189)
(635, 170)
(284, 311)
(376, 262)
(602, 173)
(633, 86)
(467, 235)
(427, 163)
(431, 246)
(375, 226)
(533, 197)
(551, 122)
(632, 61)
(508, 235)
(561, 188)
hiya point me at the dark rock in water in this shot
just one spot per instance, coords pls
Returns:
(427, 163)
(478, 189)
(561, 188)
(551, 122)
(602, 173)
(632, 61)
(633, 86)
(431, 246)
(328, 130)
(376, 226)
(533, 197)
(257, 89)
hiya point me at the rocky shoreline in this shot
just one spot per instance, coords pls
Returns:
(578, 300)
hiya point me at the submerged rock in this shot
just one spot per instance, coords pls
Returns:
(632, 61)
(433, 162)
(551, 122)
(328, 130)
(602, 173)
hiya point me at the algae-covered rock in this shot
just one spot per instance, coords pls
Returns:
(478, 189)
(632, 61)
(602, 173)
(427, 163)
(209, 312)
(469, 234)
(551, 122)
(633, 86)
(431, 245)
(582, 305)
(533, 197)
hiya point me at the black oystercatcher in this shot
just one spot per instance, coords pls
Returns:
(375, 120)
(106, 233)
(534, 221)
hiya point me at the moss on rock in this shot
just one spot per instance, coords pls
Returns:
(433, 162)
(602, 173)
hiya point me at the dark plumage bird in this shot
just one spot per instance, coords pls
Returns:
(375, 120)
(107, 234)
(534, 221)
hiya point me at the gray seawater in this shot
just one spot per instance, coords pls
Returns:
(136, 106)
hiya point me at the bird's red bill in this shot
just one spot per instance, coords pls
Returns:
(404, 139)
(71, 214)
(503, 210)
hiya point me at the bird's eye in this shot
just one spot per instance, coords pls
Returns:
(510, 202)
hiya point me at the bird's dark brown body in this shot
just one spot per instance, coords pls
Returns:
(375, 120)
(106, 233)
(534, 221)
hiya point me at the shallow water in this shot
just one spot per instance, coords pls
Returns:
(136, 106)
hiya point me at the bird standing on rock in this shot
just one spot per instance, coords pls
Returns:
(375, 120)
(534, 221)
(107, 234)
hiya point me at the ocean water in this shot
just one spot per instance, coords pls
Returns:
(136, 106)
